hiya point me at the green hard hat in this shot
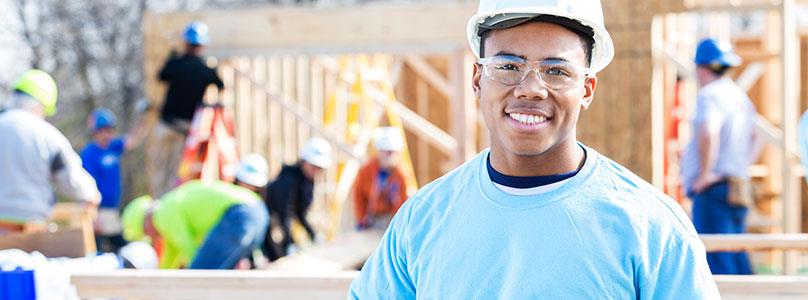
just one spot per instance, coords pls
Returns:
(39, 85)
(132, 218)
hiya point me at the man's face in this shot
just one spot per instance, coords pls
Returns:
(388, 159)
(104, 136)
(556, 110)
(311, 171)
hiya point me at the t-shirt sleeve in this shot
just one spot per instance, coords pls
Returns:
(118, 145)
(679, 272)
(68, 173)
(215, 79)
(167, 71)
(708, 112)
(385, 273)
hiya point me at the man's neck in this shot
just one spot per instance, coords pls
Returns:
(563, 158)
(710, 80)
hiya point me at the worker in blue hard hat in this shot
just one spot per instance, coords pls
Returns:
(188, 76)
(723, 145)
(101, 157)
(36, 159)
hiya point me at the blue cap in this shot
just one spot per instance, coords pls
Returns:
(196, 33)
(102, 118)
(716, 52)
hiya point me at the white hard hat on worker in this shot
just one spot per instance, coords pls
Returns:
(587, 12)
(317, 152)
(253, 170)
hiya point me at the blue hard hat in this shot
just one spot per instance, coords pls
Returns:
(716, 52)
(102, 118)
(196, 33)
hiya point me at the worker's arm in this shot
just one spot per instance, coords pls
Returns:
(708, 122)
(757, 145)
(166, 73)
(302, 203)
(360, 199)
(138, 132)
(402, 190)
(70, 178)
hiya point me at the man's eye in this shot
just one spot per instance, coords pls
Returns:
(556, 72)
(507, 67)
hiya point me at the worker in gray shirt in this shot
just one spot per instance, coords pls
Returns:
(36, 158)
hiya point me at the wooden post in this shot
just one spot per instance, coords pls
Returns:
(790, 84)
(289, 137)
(464, 110)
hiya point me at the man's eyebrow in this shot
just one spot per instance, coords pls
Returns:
(550, 59)
(504, 53)
(556, 59)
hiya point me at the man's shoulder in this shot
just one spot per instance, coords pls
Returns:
(642, 201)
(433, 197)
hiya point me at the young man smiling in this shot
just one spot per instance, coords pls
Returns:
(539, 215)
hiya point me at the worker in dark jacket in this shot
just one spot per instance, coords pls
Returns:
(291, 194)
(188, 76)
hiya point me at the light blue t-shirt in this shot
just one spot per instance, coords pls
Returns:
(722, 104)
(604, 234)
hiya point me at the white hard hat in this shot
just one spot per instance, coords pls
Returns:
(588, 12)
(253, 170)
(388, 139)
(140, 255)
(317, 152)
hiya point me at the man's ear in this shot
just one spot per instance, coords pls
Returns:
(589, 92)
(475, 80)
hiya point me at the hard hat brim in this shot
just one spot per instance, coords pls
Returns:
(602, 50)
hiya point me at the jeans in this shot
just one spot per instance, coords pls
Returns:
(240, 231)
(713, 214)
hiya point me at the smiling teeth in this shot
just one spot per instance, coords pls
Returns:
(528, 119)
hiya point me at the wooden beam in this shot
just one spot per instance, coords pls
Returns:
(289, 105)
(762, 287)
(248, 285)
(754, 242)
(463, 106)
(730, 5)
(382, 28)
(63, 243)
(345, 252)
(210, 285)
(417, 124)
(430, 74)
(790, 56)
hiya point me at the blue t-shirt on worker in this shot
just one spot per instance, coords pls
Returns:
(603, 233)
(104, 165)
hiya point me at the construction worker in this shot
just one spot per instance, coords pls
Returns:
(36, 157)
(539, 215)
(722, 147)
(102, 159)
(188, 76)
(292, 193)
(380, 188)
(204, 225)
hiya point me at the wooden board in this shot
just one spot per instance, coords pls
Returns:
(64, 243)
(756, 242)
(346, 252)
(248, 285)
(211, 285)
(758, 287)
